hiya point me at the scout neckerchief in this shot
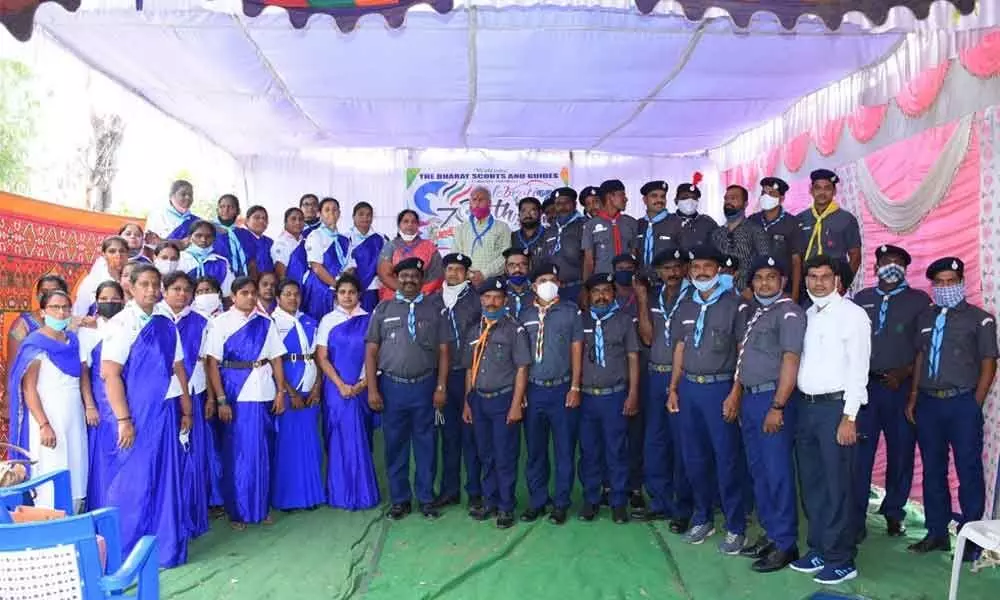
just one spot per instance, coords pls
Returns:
(883, 310)
(529, 244)
(341, 254)
(685, 284)
(480, 350)
(599, 331)
(559, 230)
(769, 224)
(647, 251)
(237, 257)
(479, 236)
(937, 338)
(699, 326)
(616, 233)
(543, 309)
(411, 318)
(816, 238)
(200, 256)
(761, 311)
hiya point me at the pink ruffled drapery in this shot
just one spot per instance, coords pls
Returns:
(866, 122)
(795, 152)
(919, 95)
(827, 137)
(983, 60)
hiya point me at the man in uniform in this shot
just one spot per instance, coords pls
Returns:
(955, 367)
(702, 391)
(767, 366)
(654, 228)
(458, 443)
(497, 360)
(690, 229)
(609, 233)
(663, 467)
(833, 378)
(407, 359)
(827, 229)
(740, 237)
(782, 230)
(553, 394)
(625, 271)
(627, 291)
(892, 307)
(610, 387)
(549, 211)
(531, 234)
(562, 244)
(589, 197)
(517, 265)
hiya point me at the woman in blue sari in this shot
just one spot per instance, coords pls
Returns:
(298, 457)
(243, 360)
(108, 267)
(140, 354)
(208, 303)
(366, 248)
(29, 321)
(200, 260)
(178, 291)
(256, 224)
(351, 483)
(236, 244)
(134, 236)
(175, 220)
(329, 255)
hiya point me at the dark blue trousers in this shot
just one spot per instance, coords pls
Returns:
(957, 423)
(771, 461)
(408, 418)
(663, 465)
(499, 445)
(636, 435)
(885, 414)
(547, 413)
(603, 428)
(458, 443)
(708, 440)
(826, 478)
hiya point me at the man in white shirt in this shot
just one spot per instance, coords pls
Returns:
(483, 238)
(833, 379)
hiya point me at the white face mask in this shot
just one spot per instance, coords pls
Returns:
(450, 293)
(547, 291)
(207, 303)
(408, 237)
(165, 266)
(769, 202)
(688, 206)
(821, 301)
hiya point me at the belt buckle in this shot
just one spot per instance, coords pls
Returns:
(699, 378)
(293, 358)
(940, 394)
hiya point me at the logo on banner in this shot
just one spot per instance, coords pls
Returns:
(442, 198)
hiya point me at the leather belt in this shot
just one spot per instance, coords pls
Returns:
(770, 386)
(563, 284)
(945, 394)
(494, 394)
(661, 368)
(298, 357)
(606, 391)
(398, 379)
(715, 378)
(551, 382)
(244, 364)
(817, 398)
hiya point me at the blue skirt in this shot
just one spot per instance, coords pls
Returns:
(297, 481)
(351, 483)
(195, 470)
(246, 462)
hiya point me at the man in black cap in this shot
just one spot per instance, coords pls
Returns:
(549, 210)
(554, 381)
(893, 307)
(497, 360)
(610, 232)
(589, 196)
(531, 234)
(663, 467)
(655, 228)
(562, 244)
(955, 367)
(407, 360)
(702, 391)
(740, 237)
(610, 387)
(458, 442)
(767, 365)
(827, 229)
(783, 231)
(517, 265)
(625, 269)
(691, 229)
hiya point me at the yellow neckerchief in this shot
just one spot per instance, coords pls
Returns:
(816, 238)
(480, 350)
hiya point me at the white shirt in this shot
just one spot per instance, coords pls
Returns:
(285, 322)
(123, 329)
(317, 244)
(197, 383)
(90, 337)
(284, 245)
(85, 292)
(836, 353)
(163, 222)
(259, 386)
(333, 318)
(188, 264)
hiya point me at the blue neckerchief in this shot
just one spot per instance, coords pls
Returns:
(699, 326)
(237, 257)
(479, 236)
(201, 256)
(517, 302)
(599, 331)
(647, 253)
(883, 310)
(529, 244)
(172, 211)
(561, 226)
(768, 224)
(937, 337)
(685, 284)
(341, 254)
(451, 317)
(411, 319)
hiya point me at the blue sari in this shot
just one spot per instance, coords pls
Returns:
(238, 246)
(366, 255)
(262, 255)
(194, 461)
(297, 266)
(214, 268)
(102, 439)
(183, 230)
(248, 439)
(31, 322)
(298, 455)
(351, 483)
(144, 481)
(317, 297)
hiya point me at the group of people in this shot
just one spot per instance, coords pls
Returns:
(668, 357)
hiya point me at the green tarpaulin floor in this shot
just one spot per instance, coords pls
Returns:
(328, 553)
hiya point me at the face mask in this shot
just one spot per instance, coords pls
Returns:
(408, 237)
(228, 222)
(600, 311)
(769, 202)
(493, 315)
(767, 300)
(517, 280)
(165, 266)
(947, 296)
(821, 301)
(726, 280)
(207, 303)
(688, 206)
(480, 212)
(624, 278)
(891, 273)
(109, 309)
(704, 286)
(547, 291)
(732, 213)
(57, 324)
(199, 252)
(450, 293)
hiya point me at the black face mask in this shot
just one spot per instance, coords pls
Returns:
(731, 211)
(109, 309)
(227, 222)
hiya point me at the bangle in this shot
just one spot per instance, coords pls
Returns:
(43, 425)
(188, 415)
(440, 388)
(778, 407)
(221, 400)
(123, 419)
(574, 388)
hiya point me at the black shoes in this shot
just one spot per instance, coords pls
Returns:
(482, 513)
(430, 511)
(679, 526)
(589, 512)
(620, 515)
(759, 549)
(399, 511)
(475, 502)
(647, 515)
(532, 514)
(637, 500)
(929, 544)
(558, 516)
(443, 501)
(505, 520)
(894, 527)
(775, 560)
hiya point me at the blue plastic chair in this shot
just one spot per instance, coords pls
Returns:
(60, 558)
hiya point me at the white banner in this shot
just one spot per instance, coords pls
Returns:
(441, 196)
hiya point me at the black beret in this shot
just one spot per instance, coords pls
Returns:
(885, 249)
(776, 183)
(948, 263)
(706, 252)
(564, 191)
(669, 255)
(827, 174)
(766, 262)
(624, 258)
(587, 192)
(730, 262)
(409, 263)
(546, 268)
(548, 202)
(688, 188)
(512, 251)
(652, 186)
(612, 185)
(457, 258)
(493, 284)
(598, 279)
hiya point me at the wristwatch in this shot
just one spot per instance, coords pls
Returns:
(440, 388)
(220, 400)
(574, 388)
(777, 406)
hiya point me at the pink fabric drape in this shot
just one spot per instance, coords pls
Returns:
(866, 121)
(919, 95)
(795, 152)
(827, 137)
(983, 59)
